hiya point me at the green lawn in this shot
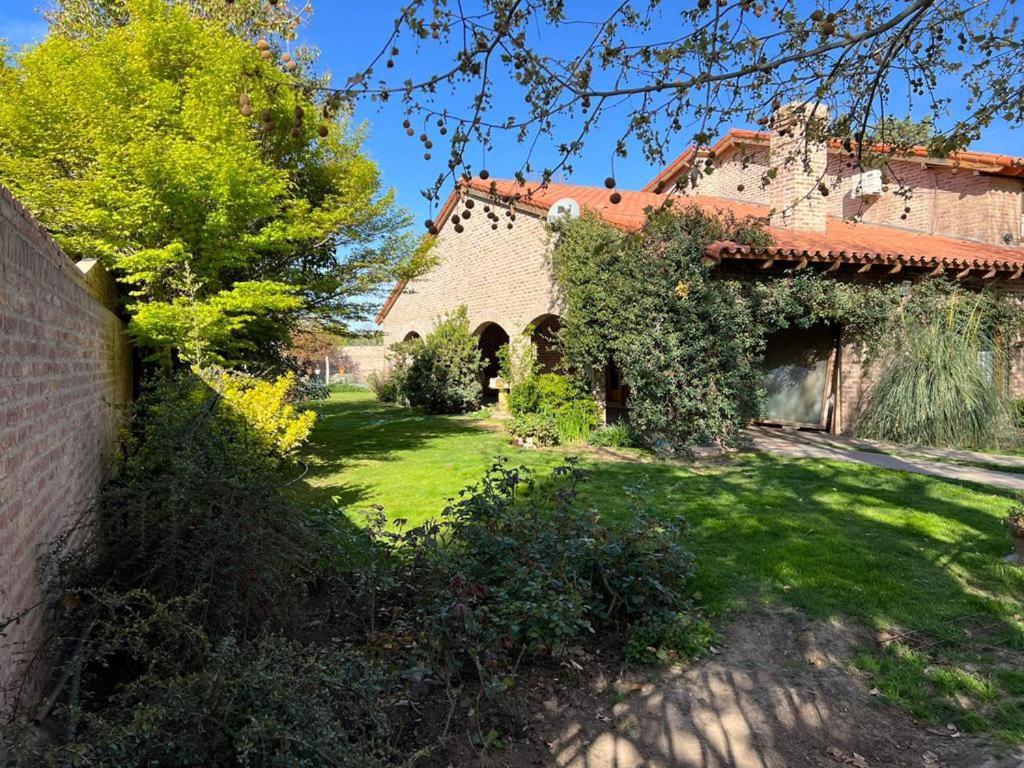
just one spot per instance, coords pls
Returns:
(886, 548)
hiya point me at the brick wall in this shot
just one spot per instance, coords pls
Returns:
(357, 362)
(65, 366)
(942, 200)
(503, 276)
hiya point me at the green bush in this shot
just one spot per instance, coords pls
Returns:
(516, 568)
(669, 638)
(524, 397)
(444, 368)
(386, 386)
(553, 400)
(613, 436)
(269, 703)
(196, 510)
(540, 427)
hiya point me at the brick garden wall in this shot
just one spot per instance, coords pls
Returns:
(65, 366)
(356, 363)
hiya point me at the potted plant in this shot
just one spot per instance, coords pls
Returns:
(1015, 525)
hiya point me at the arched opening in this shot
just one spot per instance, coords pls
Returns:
(411, 335)
(549, 348)
(490, 337)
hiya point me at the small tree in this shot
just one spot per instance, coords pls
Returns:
(233, 206)
(444, 368)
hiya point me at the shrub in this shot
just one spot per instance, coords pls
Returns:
(613, 436)
(542, 428)
(572, 404)
(516, 568)
(196, 511)
(524, 397)
(267, 408)
(386, 386)
(444, 368)
(269, 703)
(518, 359)
(934, 388)
(670, 638)
(553, 403)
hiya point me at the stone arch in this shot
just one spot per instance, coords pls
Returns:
(490, 337)
(411, 335)
(544, 334)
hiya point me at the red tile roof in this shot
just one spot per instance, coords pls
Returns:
(842, 242)
(990, 162)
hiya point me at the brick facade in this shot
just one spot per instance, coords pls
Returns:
(65, 367)
(943, 199)
(503, 276)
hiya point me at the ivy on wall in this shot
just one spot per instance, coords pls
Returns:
(689, 339)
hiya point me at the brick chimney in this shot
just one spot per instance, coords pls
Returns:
(799, 164)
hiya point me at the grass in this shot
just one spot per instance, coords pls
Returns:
(888, 549)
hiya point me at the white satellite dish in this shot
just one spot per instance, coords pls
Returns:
(564, 207)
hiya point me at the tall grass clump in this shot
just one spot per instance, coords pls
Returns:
(942, 380)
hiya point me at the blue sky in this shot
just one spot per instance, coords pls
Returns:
(349, 33)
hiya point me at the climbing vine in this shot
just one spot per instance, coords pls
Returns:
(688, 339)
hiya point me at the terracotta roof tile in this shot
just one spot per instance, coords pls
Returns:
(841, 242)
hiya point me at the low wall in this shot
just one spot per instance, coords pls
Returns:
(357, 363)
(65, 368)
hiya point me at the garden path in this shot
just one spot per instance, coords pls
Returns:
(946, 464)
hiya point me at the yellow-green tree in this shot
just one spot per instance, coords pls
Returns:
(216, 186)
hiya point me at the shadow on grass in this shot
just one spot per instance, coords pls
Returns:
(895, 551)
(892, 550)
(352, 430)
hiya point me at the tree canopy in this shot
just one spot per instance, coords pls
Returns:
(230, 202)
(659, 74)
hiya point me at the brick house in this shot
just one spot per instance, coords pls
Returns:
(959, 216)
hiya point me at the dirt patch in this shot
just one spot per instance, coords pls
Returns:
(778, 695)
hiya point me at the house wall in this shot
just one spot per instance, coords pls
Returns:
(744, 166)
(65, 367)
(942, 200)
(502, 276)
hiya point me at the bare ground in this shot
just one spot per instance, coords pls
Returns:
(780, 694)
